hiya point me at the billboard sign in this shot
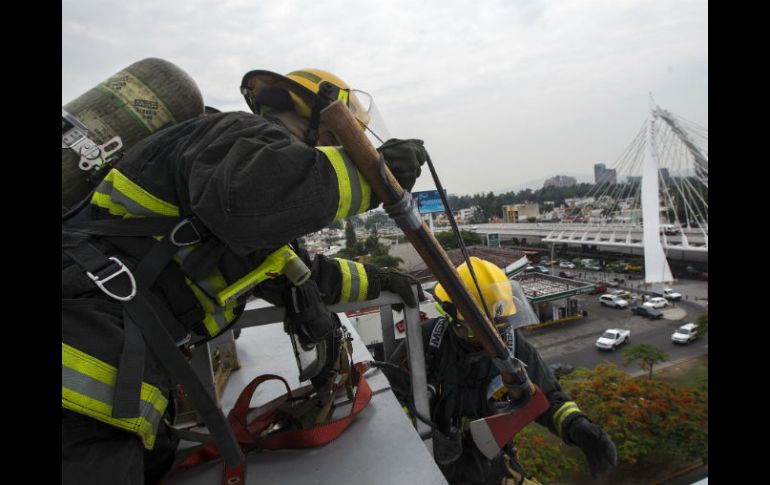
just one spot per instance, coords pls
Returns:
(493, 240)
(428, 201)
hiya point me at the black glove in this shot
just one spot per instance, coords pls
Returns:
(400, 283)
(306, 315)
(595, 444)
(404, 158)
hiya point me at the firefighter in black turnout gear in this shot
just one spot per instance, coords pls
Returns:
(191, 222)
(465, 385)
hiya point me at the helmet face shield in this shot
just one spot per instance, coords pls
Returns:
(525, 315)
(364, 109)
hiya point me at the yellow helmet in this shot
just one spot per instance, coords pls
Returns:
(495, 288)
(300, 91)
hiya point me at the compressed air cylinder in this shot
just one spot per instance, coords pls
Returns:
(139, 100)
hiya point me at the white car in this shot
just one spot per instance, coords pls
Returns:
(672, 295)
(684, 334)
(622, 294)
(612, 338)
(613, 301)
(657, 302)
(566, 264)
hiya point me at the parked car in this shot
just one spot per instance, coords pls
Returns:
(566, 264)
(647, 312)
(672, 295)
(622, 294)
(656, 302)
(612, 338)
(599, 288)
(536, 269)
(593, 267)
(564, 274)
(613, 301)
(684, 334)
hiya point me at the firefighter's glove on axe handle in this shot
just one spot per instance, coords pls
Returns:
(404, 159)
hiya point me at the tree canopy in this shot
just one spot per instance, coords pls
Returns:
(647, 355)
(642, 416)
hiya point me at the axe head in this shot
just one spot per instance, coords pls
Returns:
(490, 434)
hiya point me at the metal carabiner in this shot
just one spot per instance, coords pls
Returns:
(100, 282)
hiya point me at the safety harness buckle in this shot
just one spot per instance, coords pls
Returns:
(175, 237)
(101, 280)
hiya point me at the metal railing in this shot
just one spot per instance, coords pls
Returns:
(202, 354)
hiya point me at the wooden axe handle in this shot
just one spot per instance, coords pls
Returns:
(360, 150)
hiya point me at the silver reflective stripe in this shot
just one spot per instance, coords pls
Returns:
(220, 318)
(99, 391)
(355, 281)
(118, 197)
(207, 288)
(355, 188)
(183, 252)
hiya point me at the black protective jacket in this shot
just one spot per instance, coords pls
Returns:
(459, 378)
(251, 190)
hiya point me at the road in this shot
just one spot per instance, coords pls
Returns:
(587, 355)
(573, 342)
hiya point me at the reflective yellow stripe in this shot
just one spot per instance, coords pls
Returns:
(216, 317)
(121, 196)
(87, 388)
(343, 180)
(343, 95)
(363, 281)
(354, 191)
(561, 414)
(366, 193)
(355, 284)
(346, 281)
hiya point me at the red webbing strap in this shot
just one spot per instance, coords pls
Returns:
(325, 433)
(248, 433)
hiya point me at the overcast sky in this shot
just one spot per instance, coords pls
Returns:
(502, 92)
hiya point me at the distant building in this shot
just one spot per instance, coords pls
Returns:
(561, 181)
(603, 175)
(520, 212)
(462, 216)
(634, 180)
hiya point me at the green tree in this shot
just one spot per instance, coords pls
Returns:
(448, 241)
(702, 325)
(380, 256)
(647, 355)
(350, 235)
(542, 456)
